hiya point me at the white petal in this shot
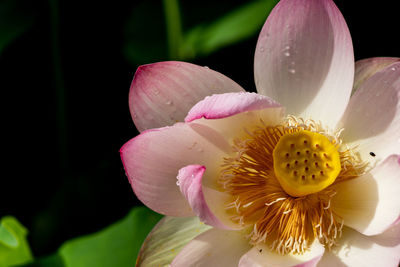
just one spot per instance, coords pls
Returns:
(167, 238)
(304, 59)
(372, 119)
(213, 248)
(357, 250)
(371, 203)
(262, 256)
(365, 68)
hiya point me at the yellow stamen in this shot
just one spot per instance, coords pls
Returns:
(287, 222)
(305, 162)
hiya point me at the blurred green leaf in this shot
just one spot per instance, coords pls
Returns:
(16, 16)
(146, 39)
(116, 245)
(236, 26)
(14, 248)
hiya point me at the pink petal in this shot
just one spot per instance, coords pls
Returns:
(162, 93)
(304, 59)
(229, 104)
(189, 179)
(234, 114)
(152, 161)
(371, 203)
(213, 248)
(262, 256)
(367, 67)
(372, 119)
(355, 249)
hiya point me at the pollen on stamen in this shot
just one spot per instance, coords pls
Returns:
(289, 224)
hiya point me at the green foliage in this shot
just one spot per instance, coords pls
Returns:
(116, 245)
(234, 27)
(148, 40)
(16, 16)
(14, 248)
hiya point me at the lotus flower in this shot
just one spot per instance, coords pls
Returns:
(303, 173)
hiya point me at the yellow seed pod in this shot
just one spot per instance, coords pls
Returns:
(305, 162)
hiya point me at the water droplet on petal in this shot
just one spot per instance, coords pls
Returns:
(169, 103)
(287, 53)
(178, 183)
(262, 49)
(292, 71)
(206, 67)
(393, 68)
(193, 145)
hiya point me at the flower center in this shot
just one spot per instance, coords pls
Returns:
(305, 162)
(269, 195)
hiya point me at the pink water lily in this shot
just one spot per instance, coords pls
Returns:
(304, 173)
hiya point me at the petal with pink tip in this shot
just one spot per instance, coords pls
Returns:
(261, 256)
(371, 203)
(240, 112)
(355, 249)
(304, 59)
(372, 119)
(233, 115)
(213, 248)
(189, 179)
(152, 161)
(367, 67)
(225, 105)
(162, 93)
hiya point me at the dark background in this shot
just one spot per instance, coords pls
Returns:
(61, 172)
